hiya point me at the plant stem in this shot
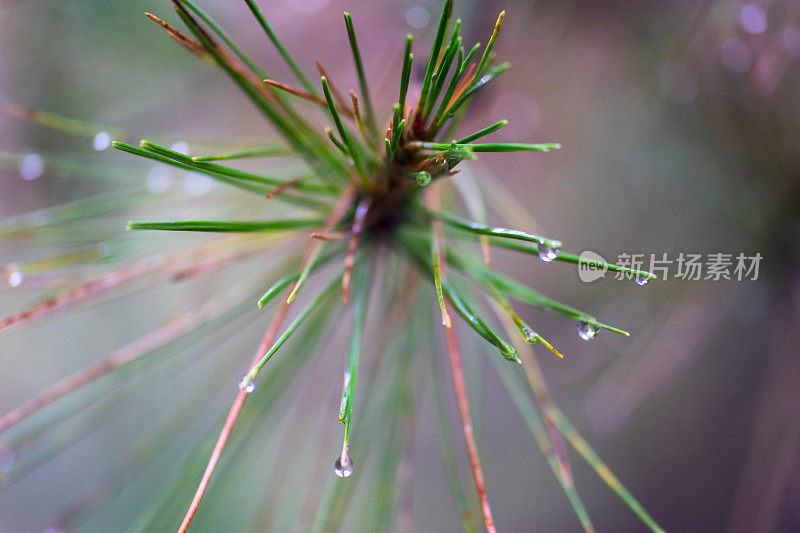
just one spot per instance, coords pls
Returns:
(466, 423)
(233, 415)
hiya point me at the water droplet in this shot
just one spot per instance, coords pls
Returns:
(247, 385)
(547, 253)
(31, 167)
(586, 330)
(101, 141)
(529, 334)
(423, 178)
(15, 277)
(343, 467)
(641, 280)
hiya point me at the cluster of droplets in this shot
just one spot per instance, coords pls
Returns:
(343, 467)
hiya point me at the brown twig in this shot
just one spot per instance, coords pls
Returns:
(357, 114)
(235, 65)
(282, 187)
(306, 96)
(463, 407)
(331, 236)
(340, 101)
(233, 415)
(185, 41)
(462, 85)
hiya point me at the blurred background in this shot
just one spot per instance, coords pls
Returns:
(679, 124)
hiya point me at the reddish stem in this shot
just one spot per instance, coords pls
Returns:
(282, 187)
(305, 96)
(340, 101)
(190, 44)
(463, 407)
(335, 236)
(233, 415)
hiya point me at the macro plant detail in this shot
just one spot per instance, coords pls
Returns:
(365, 226)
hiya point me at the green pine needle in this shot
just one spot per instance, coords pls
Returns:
(228, 226)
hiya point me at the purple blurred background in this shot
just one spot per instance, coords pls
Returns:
(679, 124)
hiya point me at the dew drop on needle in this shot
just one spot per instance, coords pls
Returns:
(587, 331)
(247, 385)
(343, 467)
(548, 253)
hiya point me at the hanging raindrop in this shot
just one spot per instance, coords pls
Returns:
(587, 331)
(247, 385)
(547, 253)
(343, 467)
(530, 335)
(641, 280)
